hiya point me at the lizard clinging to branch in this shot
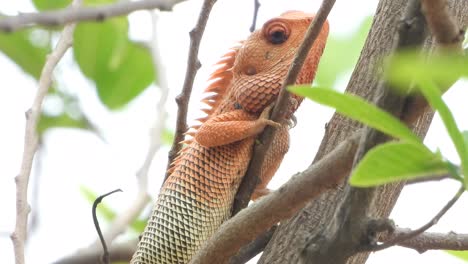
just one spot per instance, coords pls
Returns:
(198, 195)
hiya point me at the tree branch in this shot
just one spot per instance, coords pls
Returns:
(68, 15)
(255, 14)
(193, 64)
(250, 179)
(442, 24)
(428, 241)
(119, 252)
(18, 236)
(409, 235)
(278, 205)
(250, 250)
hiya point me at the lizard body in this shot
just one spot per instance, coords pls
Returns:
(198, 195)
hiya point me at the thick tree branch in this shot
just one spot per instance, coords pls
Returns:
(278, 205)
(31, 140)
(193, 64)
(68, 15)
(428, 240)
(442, 24)
(250, 250)
(250, 179)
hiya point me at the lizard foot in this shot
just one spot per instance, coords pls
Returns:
(264, 117)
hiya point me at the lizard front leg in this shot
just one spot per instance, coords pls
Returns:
(232, 126)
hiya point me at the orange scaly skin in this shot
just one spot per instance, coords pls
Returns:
(198, 195)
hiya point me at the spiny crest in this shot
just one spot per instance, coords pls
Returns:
(216, 90)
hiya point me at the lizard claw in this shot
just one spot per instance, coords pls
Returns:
(264, 117)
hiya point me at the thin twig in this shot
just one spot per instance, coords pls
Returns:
(18, 236)
(251, 177)
(193, 64)
(105, 255)
(399, 239)
(279, 205)
(97, 13)
(428, 240)
(255, 15)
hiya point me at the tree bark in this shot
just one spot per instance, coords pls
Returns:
(290, 238)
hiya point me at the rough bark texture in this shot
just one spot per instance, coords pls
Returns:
(290, 238)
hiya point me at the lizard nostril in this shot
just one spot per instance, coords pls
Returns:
(250, 70)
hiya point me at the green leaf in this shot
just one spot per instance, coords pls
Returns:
(434, 97)
(61, 121)
(167, 136)
(396, 161)
(443, 68)
(341, 54)
(42, 5)
(459, 254)
(120, 68)
(19, 47)
(357, 108)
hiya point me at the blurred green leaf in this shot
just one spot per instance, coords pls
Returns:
(358, 109)
(42, 5)
(459, 254)
(442, 68)
(434, 97)
(61, 121)
(396, 161)
(19, 47)
(167, 136)
(341, 54)
(120, 68)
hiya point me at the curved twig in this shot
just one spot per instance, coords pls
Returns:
(401, 238)
(105, 255)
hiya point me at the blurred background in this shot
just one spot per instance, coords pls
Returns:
(104, 111)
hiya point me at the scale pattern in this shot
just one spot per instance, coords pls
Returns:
(207, 179)
(198, 195)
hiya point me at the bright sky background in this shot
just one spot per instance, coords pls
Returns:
(73, 158)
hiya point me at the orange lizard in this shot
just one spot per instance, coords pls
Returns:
(198, 195)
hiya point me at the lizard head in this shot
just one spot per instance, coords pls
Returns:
(263, 60)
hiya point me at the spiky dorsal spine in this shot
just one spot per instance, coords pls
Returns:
(216, 90)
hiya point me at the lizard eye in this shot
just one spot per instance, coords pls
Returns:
(276, 32)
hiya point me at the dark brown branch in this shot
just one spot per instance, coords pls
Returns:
(442, 24)
(255, 15)
(428, 241)
(448, 35)
(348, 232)
(250, 250)
(105, 255)
(193, 64)
(279, 205)
(399, 239)
(250, 179)
(68, 15)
